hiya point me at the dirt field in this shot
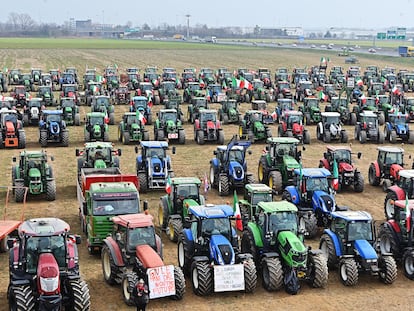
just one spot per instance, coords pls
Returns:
(193, 160)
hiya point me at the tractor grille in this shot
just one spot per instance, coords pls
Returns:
(238, 172)
(157, 167)
(299, 258)
(329, 203)
(226, 253)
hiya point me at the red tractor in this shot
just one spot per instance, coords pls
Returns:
(348, 174)
(44, 268)
(207, 128)
(19, 94)
(402, 189)
(133, 252)
(387, 167)
(291, 125)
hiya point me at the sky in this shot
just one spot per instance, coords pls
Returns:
(309, 14)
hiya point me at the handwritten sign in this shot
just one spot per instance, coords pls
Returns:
(350, 82)
(228, 278)
(161, 282)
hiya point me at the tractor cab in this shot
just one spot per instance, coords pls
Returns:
(139, 103)
(168, 115)
(185, 193)
(388, 156)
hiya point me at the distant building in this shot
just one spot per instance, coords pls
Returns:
(293, 31)
(86, 24)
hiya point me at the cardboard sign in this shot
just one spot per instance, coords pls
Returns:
(228, 278)
(161, 281)
(350, 82)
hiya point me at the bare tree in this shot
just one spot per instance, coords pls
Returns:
(21, 21)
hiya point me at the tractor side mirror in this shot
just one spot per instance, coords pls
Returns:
(145, 206)
(77, 153)
(14, 159)
(174, 149)
(157, 114)
(300, 154)
(136, 149)
(52, 158)
(119, 151)
(78, 239)
(359, 155)
(325, 155)
(267, 148)
(215, 152)
(249, 151)
(10, 243)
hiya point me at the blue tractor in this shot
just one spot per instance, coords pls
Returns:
(209, 248)
(313, 194)
(52, 128)
(349, 244)
(153, 165)
(397, 127)
(228, 170)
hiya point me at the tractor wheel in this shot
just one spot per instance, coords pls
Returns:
(381, 137)
(408, 264)
(289, 133)
(250, 136)
(358, 182)
(248, 244)
(275, 181)
(145, 136)
(393, 137)
(308, 120)
(202, 278)
(179, 284)
(388, 207)
(108, 266)
(87, 136)
(268, 98)
(183, 254)
(200, 137)
(319, 135)
(327, 137)
(262, 171)
(220, 137)
(106, 136)
(381, 118)
(386, 183)
(286, 196)
(77, 119)
(129, 281)
(225, 119)
(3, 244)
(344, 137)
(79, 297)
(348, 271)
(280, 132)
(309, 223)
(247, 98)
(223, 185)
(175, 227)
(181, 136)
(157, 99)
(250, 178)
(372, 177)
(411, 137)
(43, 138)
(160, 135)
(65, 138)
(272, 274)
(353, 118)
(388, 269)
(163, 214)
(319, 270)
(250, 276)
(125, 138)
(362, 137)
(22, 139)
(19, 191)
(213, 179)
(1, 141)
(306, 137)
(111, 118)
(387, 242)
(51, 190)
(21, 298)
(328, 249)
(143, 183)
(149, 119)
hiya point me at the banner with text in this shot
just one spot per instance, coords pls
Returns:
(161, 281)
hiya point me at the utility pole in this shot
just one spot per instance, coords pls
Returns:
(188, 26)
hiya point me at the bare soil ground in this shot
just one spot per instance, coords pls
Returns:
(193, 160)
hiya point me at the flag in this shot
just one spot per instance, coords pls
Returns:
(274, 115)
(335, 182)
(246, 84)
(235, 82)
(99, 79)
(323, 96)
(363, 99)
(395, 90)
(359, 82)
(95, 89)
(141, 117)
(407, 214)
(206, 184)
(237, 213)
(224, 86)
(168, 185)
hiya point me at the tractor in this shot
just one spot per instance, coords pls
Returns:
(283, 104)
(122, 95)
(14, 76)
(33, 172)
(259, 92)
(12, 133)
(215, 93)
(134, 251)
(328, 91)
(370, 104)
(348, 174)
(349, 244)
(93, 89)
(273, 238)
(173, 207)
(32, 111)
(192, 89)
(174, 102)
(45, 92)
(197, 104)
(375, 88)
(131, 129)
(96, 127)
(3, 82)
(71, 90)
(146, 89)
(70, 111)
(253, 194)
(397, 127)
(210, 246)
(167, 90)
(229, 111)
(52, 129)
(330, 128)
(387, 167)
(27, 82)
(141, 104)
(341, 105)
(168, 126)
(255, 126)
(303, 90)
(402, 189)
(153, 165)
(97, 155)
(208, 128)
(228, 170)
(55, 77)
(291, 125)
(44, 268)
(311, 110)
(20, 95)
(408, 107)
(368, 128)
(276, 165)
(103, 104)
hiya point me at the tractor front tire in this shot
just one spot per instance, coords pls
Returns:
(65, 138)
(129, 281)
(179, 284)
(22, 139)
(223, 185)
(108, 266)
(19, 191)
(200, 137)
(319, 271)
(275, 181)
(372, 176)
(22, 298)
(43, 138)
(202, 278)
(309, 223)
(358, 182)
(388, 272)
(125, 138)
(80, 298)
(51, 190)
(348, 271)
(327, 247)
(388, 207)
(262, 173)
(272, 274)
(248, 244)
(184, 254)
(175, 227)
(388, 244)
(250, 276)
(408, 264)
(143, 183)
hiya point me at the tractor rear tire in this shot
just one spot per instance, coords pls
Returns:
(1, 141)
(262, 173)
(19, 191)
(223, 185)
(381, 137)
(143, 183)
(275, 181)
(248, 245)
(65, 138)
(381, 118)
(306, 137)
(327, 247)
(3, 244)
(220, 137)
(80, 297)
(175, 227)
(77, 119)
(125, 138)
(358, 182)
(129, 281)
(145, 136)
(87, 136)
(106, 136)
(181, 136)
(344, 137)
(319, 271)
(184, 255)
(362, 137)
(348, 271)
(387, 242)
(108, 266)
(163, 213)
(213, 179)
(111, 118)
(393, 137)
(280, 131)
(22, 139)
(51, 190)
(225, 119)
(43, 138)
(372, 178)
(179, 284)
(308, 222)
(353, 118)
(250, 276)
(408, 264)
(200, 137)
(272, 274)
(202, 278)
(410, 137)
(250, 178)
(308, 120)
(22, 298)
(388, 207)
(327, 137)
(388, 272)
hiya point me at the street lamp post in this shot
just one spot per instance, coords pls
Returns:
(188, 26)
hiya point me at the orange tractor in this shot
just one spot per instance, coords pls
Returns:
(12, 133)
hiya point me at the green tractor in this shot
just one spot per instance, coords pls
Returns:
(276, 166)
(98, 155)
(70, 111)
(273, 238)
(131, 129)
(253, 194)
(197, 104)
(33, 172)
(168, 126)
(229, 111)
(341, 105)
(173, 207)
(255, 126)
(311, 110)
(96, 127)
(103, 104)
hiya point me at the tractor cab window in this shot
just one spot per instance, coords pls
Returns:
(131, 119)
(294, 119)
(141, 236)
(194, 230)
(398, 119)
(339, 227)
(283, 221)
(169, 116)
(156, 152)
(52, 118)
(102, 101)
(236, 155)
(189, 191)
(96, 120)
(205, 117)
(10, 117)
(44, 244)
(314, 184)
(285, 149)
(231, 104)
(342, 155)
(100, 154)
(169, 86)
(359, 230)
(211, 226)
(256, 117)
(332, 120)
(370, 121)
(261, 197)
(140, 103)
(67, 103)
(34, 163)
(393, 158)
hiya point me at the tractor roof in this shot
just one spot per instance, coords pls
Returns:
(212, 211)
(98, 144)
(134, 220)
(33, 154)
(368, 113)
(35, 99)
(260, 188)
(330, 114)
(224, 148)
(403, 204)
(406, 173)
(130, 113)
(96, 114)
(54, 112)
(168, 110)
(154, 144)
(113, 187)
(253, 111)
(313, 172)
(293, 113)
(43, 227)
(336, 148)
(282, 140)
(185, 180)
(352, 215)
(208, 111)
(139, 98)
(101, 96)
(259, 101)
(280, 206)
(390, 149)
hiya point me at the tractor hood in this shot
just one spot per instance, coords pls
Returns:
(365, 249)
(134, 126)
(401, 128)
(221, 250)
(170, 125)
(335, 129)
(34, 111)
(54, 128)
(157, 166)
(345, 167)
(259, 126)
(211, 125)
(297, 128)
(236, 170)
(34, 173)
(96, 130)
(291, 248)
(290, 162)
(188, 203)
(99, 164)
(68, 109)
(323, 201)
